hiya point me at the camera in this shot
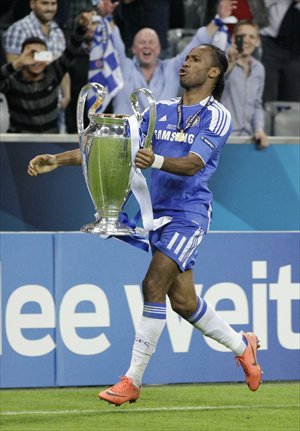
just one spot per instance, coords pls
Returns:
(46, 56)
(238, 39)
(96, 18)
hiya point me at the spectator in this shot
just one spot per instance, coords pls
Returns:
(39, 23)
(281, 51)
(244, 84)
(250, 10)
(147, 70)
(78, 72)
(31, 87)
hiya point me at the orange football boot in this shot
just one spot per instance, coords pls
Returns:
(249, 362)
(121, 392)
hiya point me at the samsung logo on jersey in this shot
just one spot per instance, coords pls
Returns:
(167, 135)
(210, 144)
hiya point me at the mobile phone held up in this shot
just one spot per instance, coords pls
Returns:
(46, 56)
(96, 18)
(238, 39)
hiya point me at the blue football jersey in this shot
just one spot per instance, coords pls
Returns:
(179, 195)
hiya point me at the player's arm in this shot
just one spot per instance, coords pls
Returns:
(44, 163)
(187, 166)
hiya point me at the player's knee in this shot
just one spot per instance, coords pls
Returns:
(153, 290)
(184, 307)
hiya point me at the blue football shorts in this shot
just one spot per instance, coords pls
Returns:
(178, 240)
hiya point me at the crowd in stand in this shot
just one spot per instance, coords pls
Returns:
(260, 37)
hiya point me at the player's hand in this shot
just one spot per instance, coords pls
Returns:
(42, 164)
(144, 158)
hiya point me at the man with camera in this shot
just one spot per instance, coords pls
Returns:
(39, 23)
(244, 84)
(31, 82)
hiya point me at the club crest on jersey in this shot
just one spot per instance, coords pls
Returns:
(195, 122)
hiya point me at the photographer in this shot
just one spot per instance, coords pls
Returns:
(31, 82)
(244, 84)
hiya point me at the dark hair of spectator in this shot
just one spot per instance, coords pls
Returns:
(31, 40)
(218, 60)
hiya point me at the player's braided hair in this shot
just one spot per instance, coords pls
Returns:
(219, 60)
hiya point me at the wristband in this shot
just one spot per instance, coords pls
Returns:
(158, 161)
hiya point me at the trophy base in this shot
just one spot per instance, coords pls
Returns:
(106, 226)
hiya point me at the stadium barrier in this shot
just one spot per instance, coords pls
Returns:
(253, 190)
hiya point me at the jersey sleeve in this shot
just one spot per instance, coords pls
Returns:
(214, 132)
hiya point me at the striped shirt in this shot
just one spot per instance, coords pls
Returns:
(187, 196)
(30, 26)
(33, 104)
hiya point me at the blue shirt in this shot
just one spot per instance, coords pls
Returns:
(187, 196)
(165, 81)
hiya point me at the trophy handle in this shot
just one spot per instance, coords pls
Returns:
(152, 109)
(100, 90)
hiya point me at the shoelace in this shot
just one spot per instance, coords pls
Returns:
(241, 362)
(123, 385)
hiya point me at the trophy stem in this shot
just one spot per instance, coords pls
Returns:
(108, 226)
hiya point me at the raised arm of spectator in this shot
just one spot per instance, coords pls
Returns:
(224, 10)
(107, 7)
(205, 34)
(62, 63)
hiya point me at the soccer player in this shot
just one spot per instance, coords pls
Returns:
(188, 137)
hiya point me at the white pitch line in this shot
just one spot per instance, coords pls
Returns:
(149, 409)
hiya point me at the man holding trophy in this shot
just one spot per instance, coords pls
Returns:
(188, 136)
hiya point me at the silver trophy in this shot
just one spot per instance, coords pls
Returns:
(105, 146)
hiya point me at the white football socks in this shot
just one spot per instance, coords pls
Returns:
(150, 328)
(153, 321)
(208, 321)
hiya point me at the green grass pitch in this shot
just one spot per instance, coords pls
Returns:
(194, 407)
